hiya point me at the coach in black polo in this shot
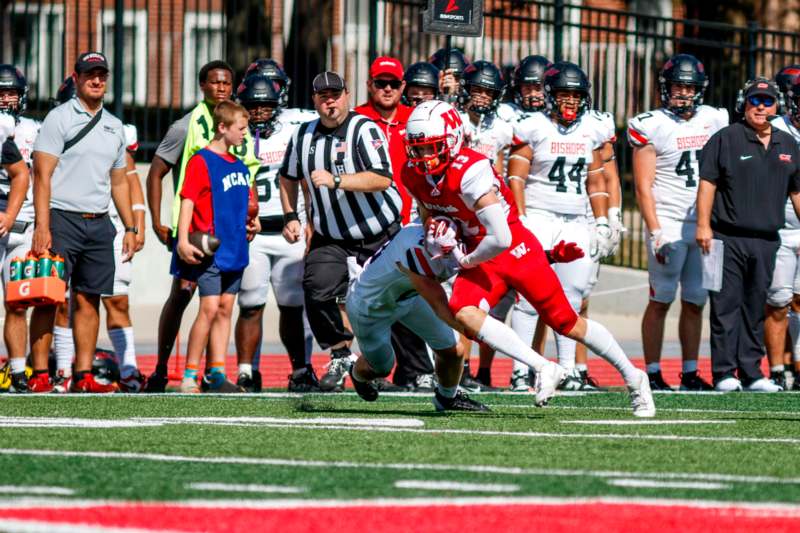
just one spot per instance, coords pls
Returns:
(344, 158)
(747, 170)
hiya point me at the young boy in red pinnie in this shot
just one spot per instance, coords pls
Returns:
(214, 199)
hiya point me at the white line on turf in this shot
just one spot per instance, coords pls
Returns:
(455, 486)
(42, 526)
(232, 487)
(36, 489)
(645, 422)
(427, 467)
(652, 484)
(100, 423)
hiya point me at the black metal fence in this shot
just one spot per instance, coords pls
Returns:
(157, 47)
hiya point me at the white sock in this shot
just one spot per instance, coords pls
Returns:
(447, 392)
(124, 349)
(794, 334)
(600, 341)
(524, 325)
(581, 367)
(246, 369)
(566, 351)
(502, 338)
(64, 346)
(17, 364)
(776, 368)
(689, 366)
(652, 368)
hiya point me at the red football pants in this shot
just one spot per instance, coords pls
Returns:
(524, 268)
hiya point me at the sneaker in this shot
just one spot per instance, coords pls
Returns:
(224, 387)
(520, 381)
(486, 387)
(19, 383)
(366, 390)
(135, 382)
(589, 384)
(763, 385)
(468, 384)
(303, 380)
(257, 382)
(691, 381)
(156, 383)
(657, 382)
(246, 382)
(384, 385)
(61, 383)
(461, 402)
(547, 380)
(572, 382)
(642, 397)
(189, 386)
(728, 384)
(779, 379)
(424, 383)
(40, 383)
(88, 383)
(333, 380)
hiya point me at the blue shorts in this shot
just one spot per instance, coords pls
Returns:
(211, 281)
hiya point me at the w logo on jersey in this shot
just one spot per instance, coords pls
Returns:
(519, 250)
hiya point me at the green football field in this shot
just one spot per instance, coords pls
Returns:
(270, 449)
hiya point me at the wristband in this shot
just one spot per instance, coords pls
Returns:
(521, 158)
(290, 216)
(599, 194)
(518, 178)
(601, 221)
(132, 229)
(138, 207)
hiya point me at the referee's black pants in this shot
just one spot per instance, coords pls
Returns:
(737, 310)
(325, 287)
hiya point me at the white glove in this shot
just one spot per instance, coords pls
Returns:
(602, 243)
(441, 236)
(7, 125)
(617, 228)
(661, 245)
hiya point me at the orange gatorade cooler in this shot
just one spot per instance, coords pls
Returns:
(37, 286)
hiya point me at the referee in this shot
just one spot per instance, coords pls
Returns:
(343, 157)
(747, 170)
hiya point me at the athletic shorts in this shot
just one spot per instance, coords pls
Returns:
(210, 280)
(275, 262)
(14, 245)
(786, 276)
(87, 246)
(683, 265)
(123, 271)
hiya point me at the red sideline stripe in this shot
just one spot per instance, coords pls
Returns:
(586, 517)
(638, 137)
(423, 262)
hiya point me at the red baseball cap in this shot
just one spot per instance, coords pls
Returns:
(386, 65)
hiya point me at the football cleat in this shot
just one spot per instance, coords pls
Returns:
(572, 382)
(796, 384)
(763, 385)
(642, 397)
(779, 379)
(691, 381)
(657, 382)
(303, 380)
(520, 381)
(40, 383)
(589, 384)
(384, 385)
(460, 402)
(156, 383)
(468, 383)
(728, 384)
(424, 383)
(257, 381)
(89, 383)
(547, 380)
(19, 383)
(364, 389)
(222, 387)
(132, 383)
(333, 380)
(189, 386)
(246, 382)
(61, 383)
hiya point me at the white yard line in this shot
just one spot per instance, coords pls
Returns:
(652, 484)
(646, 422)
(426, 467)
(232, 487)
(455, 486)
(36, 489)
(104, 423)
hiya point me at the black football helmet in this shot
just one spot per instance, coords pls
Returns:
(257, 90)
(457, 60)
(793, 99)
(421, 74)
(274, 71)
(530, 70)
(566, 76)
(65, 92)
(105, 366)
(482, 74)
(11, 78)
(687, 70)
(786, 77)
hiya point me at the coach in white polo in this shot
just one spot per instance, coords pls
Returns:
(78, 167)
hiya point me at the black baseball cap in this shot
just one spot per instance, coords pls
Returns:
(91, 60)
(762, 87)
(328, 81)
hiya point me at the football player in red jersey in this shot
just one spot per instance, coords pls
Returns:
(449, 179)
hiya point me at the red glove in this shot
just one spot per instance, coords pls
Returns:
(564, 252)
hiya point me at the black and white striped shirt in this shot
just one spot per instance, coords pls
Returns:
(357, 145)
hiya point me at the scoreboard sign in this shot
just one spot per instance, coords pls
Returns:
(454, 17)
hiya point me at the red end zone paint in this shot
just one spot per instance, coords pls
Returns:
(580, 515)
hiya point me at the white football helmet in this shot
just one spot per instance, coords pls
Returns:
(434, 135)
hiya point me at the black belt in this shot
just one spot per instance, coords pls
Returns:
(735, 231)
(20, 227)
(89, 216)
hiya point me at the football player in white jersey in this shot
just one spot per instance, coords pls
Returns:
(666, 147)
(422, 83)
(564, 167)
(783, 297)
(273, 261)
(527, 85)
(16, 208)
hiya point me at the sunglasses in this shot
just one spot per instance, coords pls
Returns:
(382, 84)
(758, 99)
